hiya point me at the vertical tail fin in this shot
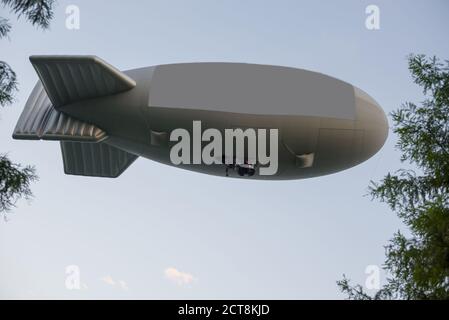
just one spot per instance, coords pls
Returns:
(94, 159)
(68, 79)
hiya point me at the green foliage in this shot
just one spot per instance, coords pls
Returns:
(418, 266)
(5, 27)
(8, 84)
(357, 293)
(14, 182)
(38, 12)
(14, 179)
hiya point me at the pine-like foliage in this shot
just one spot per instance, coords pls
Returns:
(15, 179)
(38, 12)
(14, 183)
(418, 266)
(8, 84)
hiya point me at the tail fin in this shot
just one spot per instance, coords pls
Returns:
(65, 80)
(94, 159)
(39, 120)
(68, 79)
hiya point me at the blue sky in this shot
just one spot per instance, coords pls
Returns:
(222, 238)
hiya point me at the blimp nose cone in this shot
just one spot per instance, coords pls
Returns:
(373, 121)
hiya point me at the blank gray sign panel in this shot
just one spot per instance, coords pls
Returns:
(251, 89)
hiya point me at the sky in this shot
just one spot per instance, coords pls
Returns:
(159, 232)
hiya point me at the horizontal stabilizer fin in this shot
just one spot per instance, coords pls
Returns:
(69, 79)
(95, 159)
(40, 120)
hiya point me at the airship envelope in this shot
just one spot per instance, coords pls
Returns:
(311, 124)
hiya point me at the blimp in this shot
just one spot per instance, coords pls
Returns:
(104, 118)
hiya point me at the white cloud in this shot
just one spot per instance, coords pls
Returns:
(119, 283)
(178, 277)
(108, 280)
